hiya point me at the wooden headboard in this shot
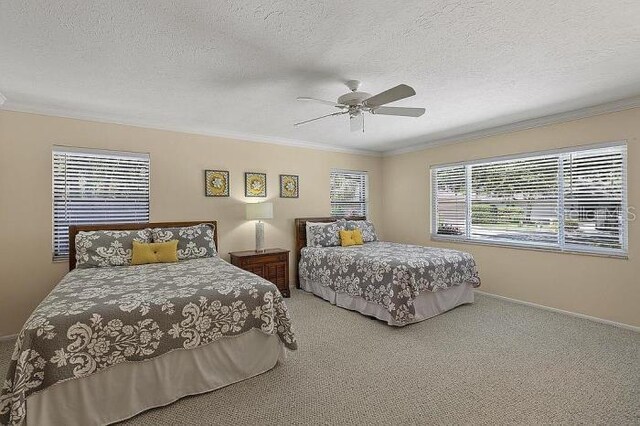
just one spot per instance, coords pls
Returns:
(74, 229)
(301, 235)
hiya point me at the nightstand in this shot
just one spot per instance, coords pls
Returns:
(271, 264)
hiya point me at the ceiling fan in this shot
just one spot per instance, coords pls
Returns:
(356, 104)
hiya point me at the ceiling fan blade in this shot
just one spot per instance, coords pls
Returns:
(321, 101)
(401, 91)
(318, 118)
(356, 123)
(405, 112)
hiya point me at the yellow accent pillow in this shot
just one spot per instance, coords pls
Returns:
(154, 252)
(357, 236)
(350, 238)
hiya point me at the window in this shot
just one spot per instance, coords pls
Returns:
(348, 193)
(564, 200)
(97, 187)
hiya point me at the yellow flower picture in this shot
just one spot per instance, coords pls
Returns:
(216, 183)
(255, 184)
(288, 186)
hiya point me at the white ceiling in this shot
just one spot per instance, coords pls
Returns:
(236, 67)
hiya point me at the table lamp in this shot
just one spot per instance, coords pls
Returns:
(259, 211)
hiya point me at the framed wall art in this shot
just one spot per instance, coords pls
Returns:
(255, 184)
(289, 187)
(216, 183)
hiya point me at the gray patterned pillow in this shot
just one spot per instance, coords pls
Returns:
(194, 242)
(96, 249)
(325, 235)
(367, 228)
(309, 234)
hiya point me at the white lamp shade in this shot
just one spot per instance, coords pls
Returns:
(257, 211)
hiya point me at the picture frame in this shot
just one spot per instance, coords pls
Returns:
(289, 186)
(216, 183)
(255, 184)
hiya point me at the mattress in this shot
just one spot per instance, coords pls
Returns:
(388, 278)
(98, 318)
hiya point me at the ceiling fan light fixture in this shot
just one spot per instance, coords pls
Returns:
(356, 103)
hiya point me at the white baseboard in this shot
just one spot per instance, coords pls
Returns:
(561, 311)
(8, 337)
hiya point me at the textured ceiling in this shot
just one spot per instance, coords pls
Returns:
(236, 67)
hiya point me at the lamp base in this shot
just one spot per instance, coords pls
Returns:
(259, 237)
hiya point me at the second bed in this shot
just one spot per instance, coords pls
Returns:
(396, 283)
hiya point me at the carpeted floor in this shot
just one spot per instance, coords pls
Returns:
(490, 362)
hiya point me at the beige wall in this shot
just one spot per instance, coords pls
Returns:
(596, 286)
(601, 287)
(177, 192)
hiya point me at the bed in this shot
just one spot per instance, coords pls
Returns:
(110, 342)
(396, 283)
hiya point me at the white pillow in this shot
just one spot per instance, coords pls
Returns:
(308, 224)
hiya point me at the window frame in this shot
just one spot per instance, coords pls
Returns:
(97, 152)
(366, 190)
(561, 246)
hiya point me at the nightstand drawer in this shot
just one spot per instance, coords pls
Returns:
(275, 272)
(265, 258)
(256, 269)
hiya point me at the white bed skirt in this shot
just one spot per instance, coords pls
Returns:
(126, 389)
(427, 305)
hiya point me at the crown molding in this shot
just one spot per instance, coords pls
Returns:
(606, 108)
(247, 137)
(610, 107)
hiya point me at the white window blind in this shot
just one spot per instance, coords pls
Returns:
(515, 200)
(450, 197)
(594, 198)
(93, 187)
(349, 191)
(565, 200)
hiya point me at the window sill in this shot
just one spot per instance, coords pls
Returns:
(60, 259)
(502, 244)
